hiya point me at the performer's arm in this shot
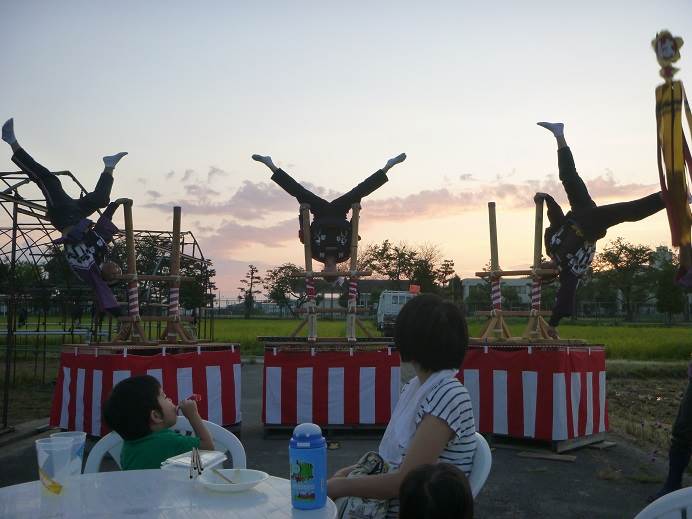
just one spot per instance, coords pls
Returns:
(555, 214)
(564, 302)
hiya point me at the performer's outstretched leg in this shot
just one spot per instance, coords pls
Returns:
(595, 222)
(48, 183)
(101, 194)
(577, 194)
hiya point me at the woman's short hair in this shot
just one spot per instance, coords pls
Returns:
(437, 491)
(128, 408)
(431, 332)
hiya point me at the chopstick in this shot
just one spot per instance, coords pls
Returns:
(218, 473)
(200, 468)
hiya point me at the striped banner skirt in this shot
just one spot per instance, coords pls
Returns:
(85, 381)
(532, 392)
(330, 387)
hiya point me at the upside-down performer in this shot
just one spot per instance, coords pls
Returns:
(330, 232)
(84, 242)
(570, 239)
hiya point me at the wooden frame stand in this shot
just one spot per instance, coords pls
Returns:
(311, 309)
(496, 329)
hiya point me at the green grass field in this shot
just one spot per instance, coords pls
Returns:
(636, 342)
(622, 340)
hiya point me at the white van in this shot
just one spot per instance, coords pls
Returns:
(388, 308)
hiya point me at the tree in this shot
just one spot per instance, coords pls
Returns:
(626, 267)
(510, 297)
(197, 293)
(248, 289)
(444, 271)
(478, 296)
(393, 262)
(284, 284)
(424, 275)
(456, 288)
(670, 297)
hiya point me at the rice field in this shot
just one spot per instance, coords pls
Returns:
(622, 340)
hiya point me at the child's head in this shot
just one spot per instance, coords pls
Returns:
(431, 333)
(137, 406)
(439, 491)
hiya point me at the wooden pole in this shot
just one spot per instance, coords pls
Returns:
(353, 279)
(538, 235)
(174, 328)
(309, 281)
(494, 257)
(132, 285)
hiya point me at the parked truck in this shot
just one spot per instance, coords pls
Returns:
(388, 308)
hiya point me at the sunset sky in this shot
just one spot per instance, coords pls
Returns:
(331, 91)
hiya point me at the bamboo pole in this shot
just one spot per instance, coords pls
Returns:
(538, 235)
(353, 279)
(492, 220)
(173, 327)
(126, 332)
(311, 318)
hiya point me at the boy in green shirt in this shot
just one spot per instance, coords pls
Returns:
(139, 411)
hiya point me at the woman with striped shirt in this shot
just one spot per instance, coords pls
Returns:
(433, 419)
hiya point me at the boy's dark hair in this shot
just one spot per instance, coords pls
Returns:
(129, 406)
(432, 333)
(439, 491)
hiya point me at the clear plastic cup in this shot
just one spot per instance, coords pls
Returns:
(54, 456)
(78, 439)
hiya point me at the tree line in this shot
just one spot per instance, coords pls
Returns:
(622, 273)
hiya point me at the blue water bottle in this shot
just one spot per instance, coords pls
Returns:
(307, 453)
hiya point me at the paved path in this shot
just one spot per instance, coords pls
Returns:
(610, 483)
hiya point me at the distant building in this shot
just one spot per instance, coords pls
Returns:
(522, 285)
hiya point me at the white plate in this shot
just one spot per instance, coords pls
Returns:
(243, 479)
(208, 458)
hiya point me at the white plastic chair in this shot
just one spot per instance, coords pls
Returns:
(482, 462)
(675, 505)
(224, 441)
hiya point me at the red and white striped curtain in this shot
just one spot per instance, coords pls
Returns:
(86, 380)
(548, 394)
(330, 388)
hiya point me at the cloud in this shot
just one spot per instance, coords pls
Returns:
(443, 202)
(466, 176)
(201, 192)
(188, 174)
(142, 181)
(204, 229)
(251, 201)
(170, 175)
(215, 172)
(153, 194)
(263, 200)
(233, 236)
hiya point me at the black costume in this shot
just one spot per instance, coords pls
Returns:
(85, 243)
(330, 232)
(680, 441)
(570, 239)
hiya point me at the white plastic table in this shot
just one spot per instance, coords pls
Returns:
(151, 494)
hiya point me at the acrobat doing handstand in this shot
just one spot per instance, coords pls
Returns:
(570, 239)
(85, 243)
(330, 232)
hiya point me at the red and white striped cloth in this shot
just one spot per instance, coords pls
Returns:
(546, 394)
(330, 388)
(85, 381)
